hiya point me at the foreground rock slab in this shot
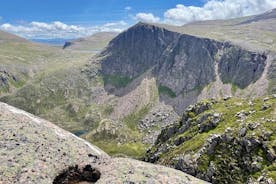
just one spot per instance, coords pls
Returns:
(33, 150)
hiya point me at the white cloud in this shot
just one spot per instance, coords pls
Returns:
(128, 8)
(59, 29)
(112, 24)
(217, 9)
(147, 17)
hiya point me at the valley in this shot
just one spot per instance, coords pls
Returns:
(127, 93)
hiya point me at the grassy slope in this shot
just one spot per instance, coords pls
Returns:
(56, 89)
(49, 81)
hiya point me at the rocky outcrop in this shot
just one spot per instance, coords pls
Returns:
(33, 150)
(220, 142)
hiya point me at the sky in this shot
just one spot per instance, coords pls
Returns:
(69, 19)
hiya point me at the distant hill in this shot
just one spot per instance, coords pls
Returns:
(265, 16)
(4, 36)
(55, 42)
(92, 43)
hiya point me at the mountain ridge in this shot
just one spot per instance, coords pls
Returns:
(122, 106)
(175, 56)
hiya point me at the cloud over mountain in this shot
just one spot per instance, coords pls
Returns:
(147, 17)
(217, 9)
(211, 10)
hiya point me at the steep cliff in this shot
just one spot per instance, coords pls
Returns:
(182, 64)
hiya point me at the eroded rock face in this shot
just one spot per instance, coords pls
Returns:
(182, 63)
(33, 150)
(241, 67)
(136, 50)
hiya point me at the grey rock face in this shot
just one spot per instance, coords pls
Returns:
(136, 50)
(240, 67)
(188, 64)
(183, 63)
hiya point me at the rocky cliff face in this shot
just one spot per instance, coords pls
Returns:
(181, 63)
(33, 150)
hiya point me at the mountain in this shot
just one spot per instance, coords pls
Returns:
(141, 81)
(187, 67)
(256, 32)
(222, 141)
(93, 43)
(263, 17)
(34, 150)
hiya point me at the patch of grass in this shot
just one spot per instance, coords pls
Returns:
(234, 88)
(272, 86)
(132, 119)
(18, 84)
(167, 91)
(107, 110)
(116, 80)
(133, 150)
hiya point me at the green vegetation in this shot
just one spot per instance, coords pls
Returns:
(108, 110)
(117, 80)
(132, 119)
(225, 153)
(234, 88)
(133, 150)
(167, 91)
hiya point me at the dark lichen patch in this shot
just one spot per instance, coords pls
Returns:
(76, 174)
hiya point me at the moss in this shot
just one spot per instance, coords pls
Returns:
(166, 90)
(117, 81)
(191, 114)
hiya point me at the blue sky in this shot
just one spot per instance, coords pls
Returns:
(46, 19)
(83, 11)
